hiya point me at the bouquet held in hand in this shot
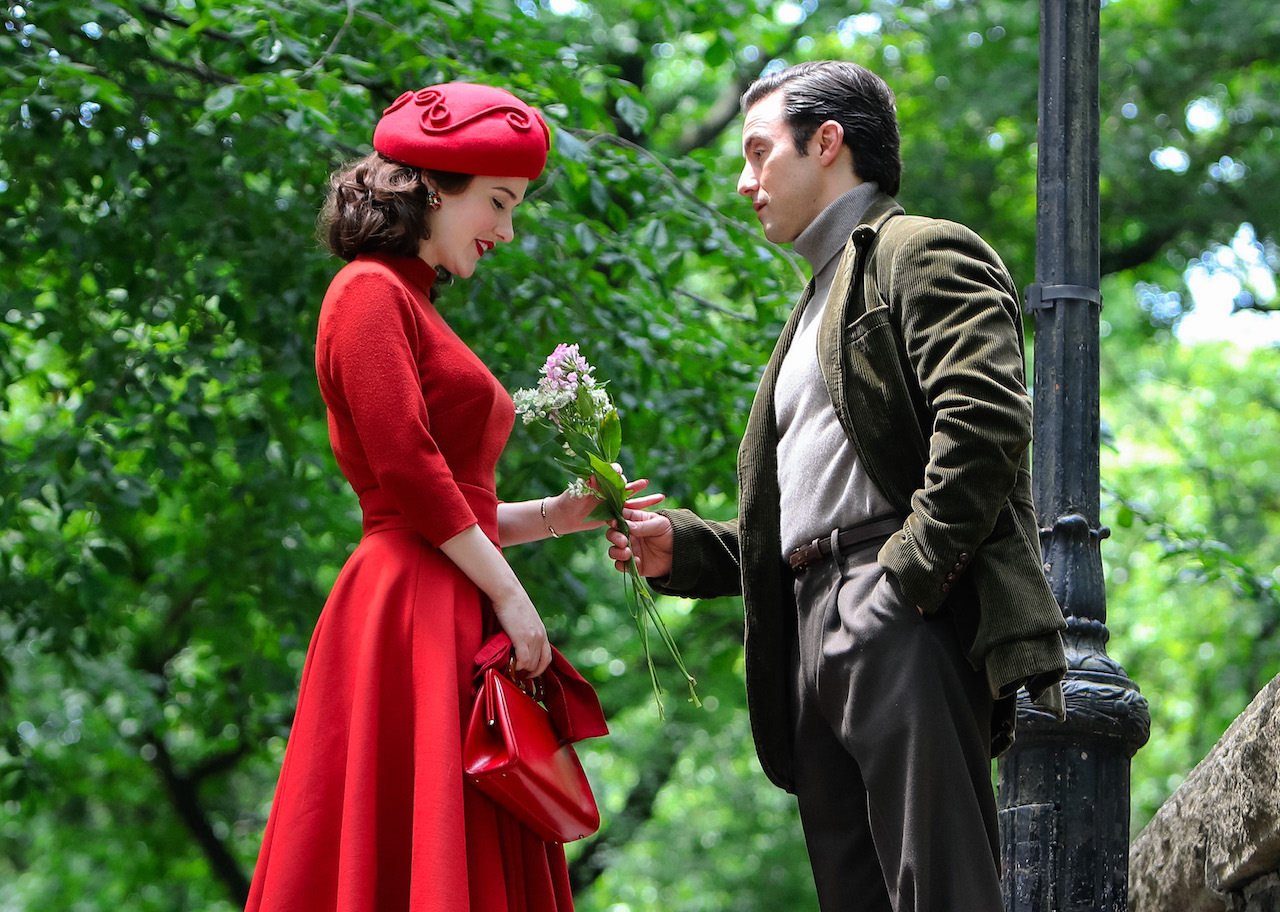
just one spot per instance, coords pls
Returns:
(570, 400)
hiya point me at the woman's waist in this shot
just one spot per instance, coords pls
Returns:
(381, 514)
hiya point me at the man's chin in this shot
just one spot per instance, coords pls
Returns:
(778, 235)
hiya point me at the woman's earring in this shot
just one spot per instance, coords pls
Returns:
(433, 198)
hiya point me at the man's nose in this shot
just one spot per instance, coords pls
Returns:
(747, 183)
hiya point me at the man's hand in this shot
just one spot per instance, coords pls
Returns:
(651, 543)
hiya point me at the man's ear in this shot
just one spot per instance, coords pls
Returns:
(830, 139)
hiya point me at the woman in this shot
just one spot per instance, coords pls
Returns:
(371, 813)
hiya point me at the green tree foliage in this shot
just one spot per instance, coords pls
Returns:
(170, 516)
(1191, 438)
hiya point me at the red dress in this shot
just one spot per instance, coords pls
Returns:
(371, 813)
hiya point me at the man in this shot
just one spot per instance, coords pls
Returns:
(886, 547)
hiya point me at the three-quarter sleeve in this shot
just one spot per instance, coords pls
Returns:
(368, 360)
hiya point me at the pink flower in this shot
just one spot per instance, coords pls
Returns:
(565, 370)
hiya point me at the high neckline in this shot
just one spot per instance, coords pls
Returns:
(414, 269)
(827, 234)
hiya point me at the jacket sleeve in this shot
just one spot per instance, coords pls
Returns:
(704, 560)
(368, 340)
(962, 335)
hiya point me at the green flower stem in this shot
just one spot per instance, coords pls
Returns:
(643, 605)
(644, 609)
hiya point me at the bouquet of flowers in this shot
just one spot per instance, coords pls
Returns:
(579, 410)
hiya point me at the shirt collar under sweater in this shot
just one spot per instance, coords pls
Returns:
(824, 239)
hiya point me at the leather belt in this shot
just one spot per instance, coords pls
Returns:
(847, 539)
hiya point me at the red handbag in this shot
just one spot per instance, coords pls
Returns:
(516, 754)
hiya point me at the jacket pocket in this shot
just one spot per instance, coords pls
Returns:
(887, 423)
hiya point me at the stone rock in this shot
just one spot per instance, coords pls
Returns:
(1219, 833)
(1262, 895)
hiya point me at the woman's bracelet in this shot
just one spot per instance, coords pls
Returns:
(543, 507)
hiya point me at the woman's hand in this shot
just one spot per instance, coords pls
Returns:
(567, 512)
(651, 543)
(528, 634)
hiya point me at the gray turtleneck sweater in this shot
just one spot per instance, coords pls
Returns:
(823, 486)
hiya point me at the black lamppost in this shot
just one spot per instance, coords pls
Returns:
(1064, 787)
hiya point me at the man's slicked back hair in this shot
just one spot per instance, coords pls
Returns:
(851, 95)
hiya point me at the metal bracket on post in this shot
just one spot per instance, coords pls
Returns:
(1042, 297)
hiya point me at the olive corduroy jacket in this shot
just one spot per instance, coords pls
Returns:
(925, 368)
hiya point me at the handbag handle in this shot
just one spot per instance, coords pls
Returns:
(568, 697)
(531, 687)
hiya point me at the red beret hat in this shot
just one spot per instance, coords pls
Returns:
(466, 128)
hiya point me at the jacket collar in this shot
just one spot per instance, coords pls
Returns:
(881, 209)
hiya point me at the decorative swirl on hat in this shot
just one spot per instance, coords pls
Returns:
(436, 116)
(398, 103)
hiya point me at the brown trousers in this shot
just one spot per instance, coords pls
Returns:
(893, 769)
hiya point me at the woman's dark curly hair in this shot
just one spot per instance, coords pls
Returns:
(378, 205)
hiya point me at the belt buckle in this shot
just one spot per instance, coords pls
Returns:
(804, 556)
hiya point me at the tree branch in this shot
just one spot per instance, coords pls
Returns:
(654, 774)
(184, 793)
(712, 305)
(1142, 251)
(155, 14)
(337, 39)
(593, 139)
(725, 108)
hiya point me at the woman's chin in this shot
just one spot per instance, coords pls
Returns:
(463, 270)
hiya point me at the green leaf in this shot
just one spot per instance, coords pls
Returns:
(718, 51)
(222, 99)
(576, 469)
(112, 556)
(611, 435)
(584, 402)
(612, 485)
(570, 146)
(634, 113)
(580, 443)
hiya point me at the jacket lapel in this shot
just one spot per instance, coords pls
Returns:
(843, 305)
(770, 378)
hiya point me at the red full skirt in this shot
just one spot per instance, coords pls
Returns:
(371, 812)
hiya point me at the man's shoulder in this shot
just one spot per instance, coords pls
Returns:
(909, 226)
(910, 247)
(904, 238)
